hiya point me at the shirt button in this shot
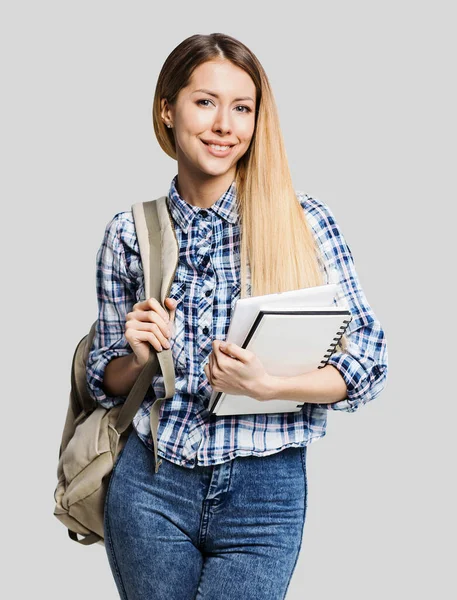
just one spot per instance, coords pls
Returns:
(208, 292)
(204, 213)
(205, 330)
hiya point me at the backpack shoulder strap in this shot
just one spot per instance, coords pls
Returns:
(159, 257)
(158, 246)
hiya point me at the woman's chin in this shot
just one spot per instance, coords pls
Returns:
(214, 170)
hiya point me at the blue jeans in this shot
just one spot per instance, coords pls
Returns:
(223, 532)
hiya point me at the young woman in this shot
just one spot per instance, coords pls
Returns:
(223, 517)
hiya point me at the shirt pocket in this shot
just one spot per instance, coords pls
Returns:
(178, 339)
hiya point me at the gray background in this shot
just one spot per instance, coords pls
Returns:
(367, 106)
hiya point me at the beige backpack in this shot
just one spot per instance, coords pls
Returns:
(93, 436)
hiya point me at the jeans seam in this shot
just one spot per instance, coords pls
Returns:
(304, 456)
(198, 593)
(110, 547)
(305, 503)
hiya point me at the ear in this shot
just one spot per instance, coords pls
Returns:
(166, 111)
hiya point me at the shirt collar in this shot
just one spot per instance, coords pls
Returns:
(183, 213)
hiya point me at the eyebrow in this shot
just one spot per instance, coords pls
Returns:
(216, 96)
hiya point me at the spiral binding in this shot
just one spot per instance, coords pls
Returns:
(334, 344)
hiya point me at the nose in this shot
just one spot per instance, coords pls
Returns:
(222, 123)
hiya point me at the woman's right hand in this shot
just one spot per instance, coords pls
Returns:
(149, 323)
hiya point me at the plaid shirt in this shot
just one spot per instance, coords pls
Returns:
(206, 287)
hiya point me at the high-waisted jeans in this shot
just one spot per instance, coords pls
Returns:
(221, 532)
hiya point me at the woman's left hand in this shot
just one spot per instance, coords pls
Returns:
(234, 370)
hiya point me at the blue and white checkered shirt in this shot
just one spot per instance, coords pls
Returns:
(206, 287)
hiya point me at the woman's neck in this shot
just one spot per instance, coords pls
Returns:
(203, 192)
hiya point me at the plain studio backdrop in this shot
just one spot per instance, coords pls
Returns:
(366, 95)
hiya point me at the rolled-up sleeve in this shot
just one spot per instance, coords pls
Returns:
(115, 298)
(363, 365)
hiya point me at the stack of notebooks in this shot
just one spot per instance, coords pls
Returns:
(291, 333)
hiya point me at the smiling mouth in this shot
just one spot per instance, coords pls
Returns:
(223, 146)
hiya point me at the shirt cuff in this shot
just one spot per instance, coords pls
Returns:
(95, 371)
(362, 384)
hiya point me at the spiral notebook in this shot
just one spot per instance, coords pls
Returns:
(288, 342)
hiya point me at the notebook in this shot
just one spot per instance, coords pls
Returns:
(289, 341)
(247, 309)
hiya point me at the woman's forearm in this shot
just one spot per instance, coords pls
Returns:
(321, 386)
(120, 375)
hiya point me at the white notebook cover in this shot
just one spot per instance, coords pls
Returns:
(247, 309)
(288, 342)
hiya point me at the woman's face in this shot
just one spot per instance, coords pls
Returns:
(224, 113)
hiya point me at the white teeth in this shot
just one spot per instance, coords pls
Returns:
(218, 147)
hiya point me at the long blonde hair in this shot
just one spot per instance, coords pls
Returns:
(275, 237)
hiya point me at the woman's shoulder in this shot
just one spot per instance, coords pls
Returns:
(318, 213)
(121, 230)
(120, 237)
